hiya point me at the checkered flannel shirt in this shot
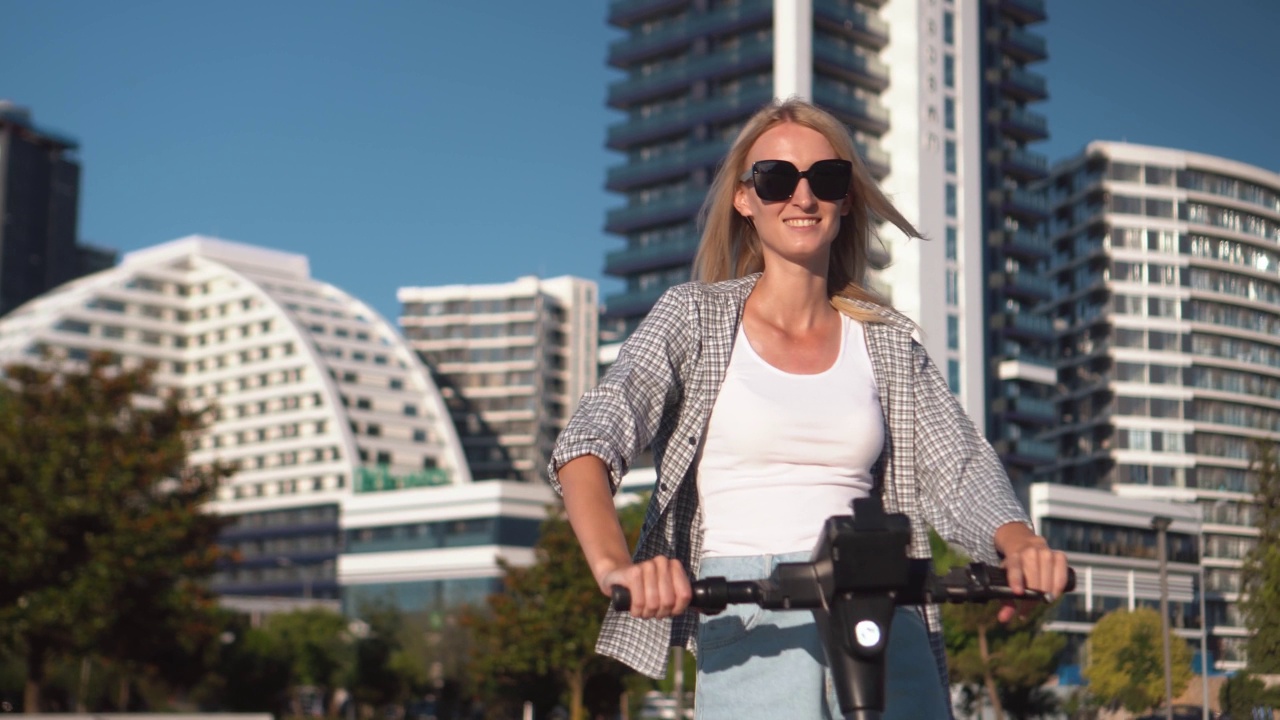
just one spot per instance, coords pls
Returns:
(936, 467)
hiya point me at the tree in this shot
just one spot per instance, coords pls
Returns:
(1010, 662)
(1261, 575)
(105, 544)
(1241, 693)
(1126, 660)
(545, 623)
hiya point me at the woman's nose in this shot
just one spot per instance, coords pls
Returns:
(803, 196)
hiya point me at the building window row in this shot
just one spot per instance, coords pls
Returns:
(1150, 440)
(1151, 207)
(1148, 273)
(1234, 316)
(1230, 219)
(1248, 416)
(1242, 190)
(1231, 284)
(469, 307)
(1234, 252)
(1235, 381)
(1113, 541)
(1235, 349)
(1157, 475)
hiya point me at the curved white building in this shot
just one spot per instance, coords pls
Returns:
(319, 402)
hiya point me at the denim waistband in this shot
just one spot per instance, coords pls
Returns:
(747, 567)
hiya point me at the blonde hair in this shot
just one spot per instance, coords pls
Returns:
(730, 247)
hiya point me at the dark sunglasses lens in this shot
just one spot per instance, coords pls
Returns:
(776, 179)
(829, 179)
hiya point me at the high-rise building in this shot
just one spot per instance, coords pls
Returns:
(936, 97)
(1166, 299)
(39, 205)
(511, 359)
(349, 476)
(1017, 339)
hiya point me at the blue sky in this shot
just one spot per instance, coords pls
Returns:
(425, 142)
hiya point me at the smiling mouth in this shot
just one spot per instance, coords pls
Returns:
(801, 222)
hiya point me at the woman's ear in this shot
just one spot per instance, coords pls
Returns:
(740, 202)
(846, 204)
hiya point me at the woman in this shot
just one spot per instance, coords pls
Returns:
(773, 391)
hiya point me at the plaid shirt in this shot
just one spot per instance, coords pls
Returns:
(936, 467)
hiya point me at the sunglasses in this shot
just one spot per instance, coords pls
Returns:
(777, 179)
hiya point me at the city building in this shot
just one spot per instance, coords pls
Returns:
(511, 359)
(1111, 543)
(1165, 276)
(937, 97)
(349, 473)
(39, 202)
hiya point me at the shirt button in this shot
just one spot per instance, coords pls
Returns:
(693, 440)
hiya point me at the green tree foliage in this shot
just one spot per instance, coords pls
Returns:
(1242, 692)
(539, 635)
(101, 530)
(1010, 662)
(1261, 603)
(1126, 660)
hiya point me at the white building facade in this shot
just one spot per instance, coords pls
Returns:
(319, 403)
(1166, 280)
(512, 360)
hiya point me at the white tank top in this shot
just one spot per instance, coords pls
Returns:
(784, 452)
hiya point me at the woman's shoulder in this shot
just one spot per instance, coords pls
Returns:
(697, 290)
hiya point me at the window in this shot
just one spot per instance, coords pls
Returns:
(950, 155)
(952, 200)
(953, 332)
(949, 113)
(953, 375)
(949, 70)
(948, 27)
(951, 242)
(953, 290)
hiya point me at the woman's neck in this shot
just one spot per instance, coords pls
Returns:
(791, 297)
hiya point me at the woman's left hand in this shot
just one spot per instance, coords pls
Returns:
(1031, 565)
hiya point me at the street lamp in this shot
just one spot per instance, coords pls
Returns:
(1160, 524)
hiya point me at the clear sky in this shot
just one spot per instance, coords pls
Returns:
(427, 142)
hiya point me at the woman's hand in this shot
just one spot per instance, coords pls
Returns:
(659, 587)
(1031, 565)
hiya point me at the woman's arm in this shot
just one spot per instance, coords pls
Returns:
(659, 586)
(968, 497)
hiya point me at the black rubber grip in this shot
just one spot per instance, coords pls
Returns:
(621, 598)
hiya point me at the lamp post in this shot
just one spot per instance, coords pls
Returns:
(1160, 524)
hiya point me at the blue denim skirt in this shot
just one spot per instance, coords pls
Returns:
(755, 663)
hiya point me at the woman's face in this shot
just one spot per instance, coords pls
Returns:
(798, 229)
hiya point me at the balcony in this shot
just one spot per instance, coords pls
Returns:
(1024, 84)
(840, 60)
(680, 119)
(672, 36)
(1024, 124)
(1023, 45)
(632, 260)
(1033, 409)
(631, 304)
(1024, 244)
(1024, 285)
(1036, 449)
(666, 166)
(675, 76)
(1025, 325)
(1025, 204)
(679, 206)
(1024, 164)
(876, 160)
(1024, 11)
(624, 13)
(867, 28)
(865, 115)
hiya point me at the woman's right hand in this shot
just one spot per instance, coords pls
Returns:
(659, 587)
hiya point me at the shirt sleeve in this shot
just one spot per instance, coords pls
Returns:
(620, 416)
(966, 493)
